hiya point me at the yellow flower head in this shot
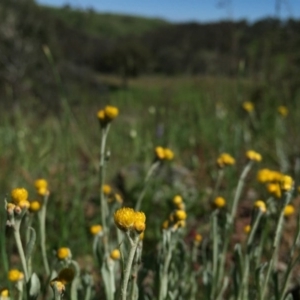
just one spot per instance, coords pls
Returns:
(19, 194)
(106, 189)
(24, 204)
(15, 275)
(252, 155)
(289, 210)
(180, 215)
(198, 238)
(177, 200)
(63, 253)
(261, 205)
(111, 112)
(4, 294)
(95, 229)
(274, 189)
(58, 285)
(115, 254)
(247, 228)
(286, 183)
(225, 159)
(125, 219)
(34, 206)
(169, 154)
(41, 186)
(282, 110)
(264, 175)
(160, 153)
(219, 202)
(248, 106)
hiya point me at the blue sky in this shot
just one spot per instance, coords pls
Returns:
(189, 10)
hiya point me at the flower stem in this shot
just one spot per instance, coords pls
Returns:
(128, 266)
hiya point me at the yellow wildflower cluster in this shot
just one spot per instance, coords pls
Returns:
(225, 159)
(107, 114)
(15, 275)
(128, 219)
(275, 181)
(19, 201)
(163, 153)
(254, 156)
(41, 186)
(219, 202)
(282, 110)
(176, 219)
(248, 106)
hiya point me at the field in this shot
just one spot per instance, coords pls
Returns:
(198, 118)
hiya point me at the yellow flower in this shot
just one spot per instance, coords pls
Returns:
(160, 153)
(63, 253)
(177, 200)
(261, 205)
(15, 275)
(106, 189)
(165, 224)
(247, 228)
(252, 155)
(180, 215)
(225, 159)
(41, 186)
(111, 112)
(127, 219)
(282, 110)
(115, 254)
(286, 182)
(34, 206)
(198, 238)
(4, 294)
(248, 106)
(274, 189)
(264, 175)
(19, 194)
(289, 210)
(101, 115)
(219, 202)
(58, 285)
(24, 204)
(95, 229)
(169, 154)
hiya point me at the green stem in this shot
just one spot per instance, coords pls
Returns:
(42, 221)
(152, 169)
(128, 266)
(103, 204)
(20, 249)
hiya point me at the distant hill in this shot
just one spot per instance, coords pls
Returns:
(104, 24)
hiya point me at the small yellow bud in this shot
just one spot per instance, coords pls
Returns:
(34, 206)
(24, 204)
(95, 229)
(289, 210)
(118, 198)
(248, 106)
(160, 153)
(169, 154)
(165, 224)
(260, 205)
(111, 112)
(274, 189)
(63, 253)
(219, 202)
(252, 155)
(4, 294)
(198, 238)
(282, 110)
(106, 189)
(225, 159)
(177, 200)
(180, 215)
(115, 254)
(139, 226)
(286, 182)
(247, 229)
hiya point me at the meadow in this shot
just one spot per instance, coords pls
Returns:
(197, 204)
